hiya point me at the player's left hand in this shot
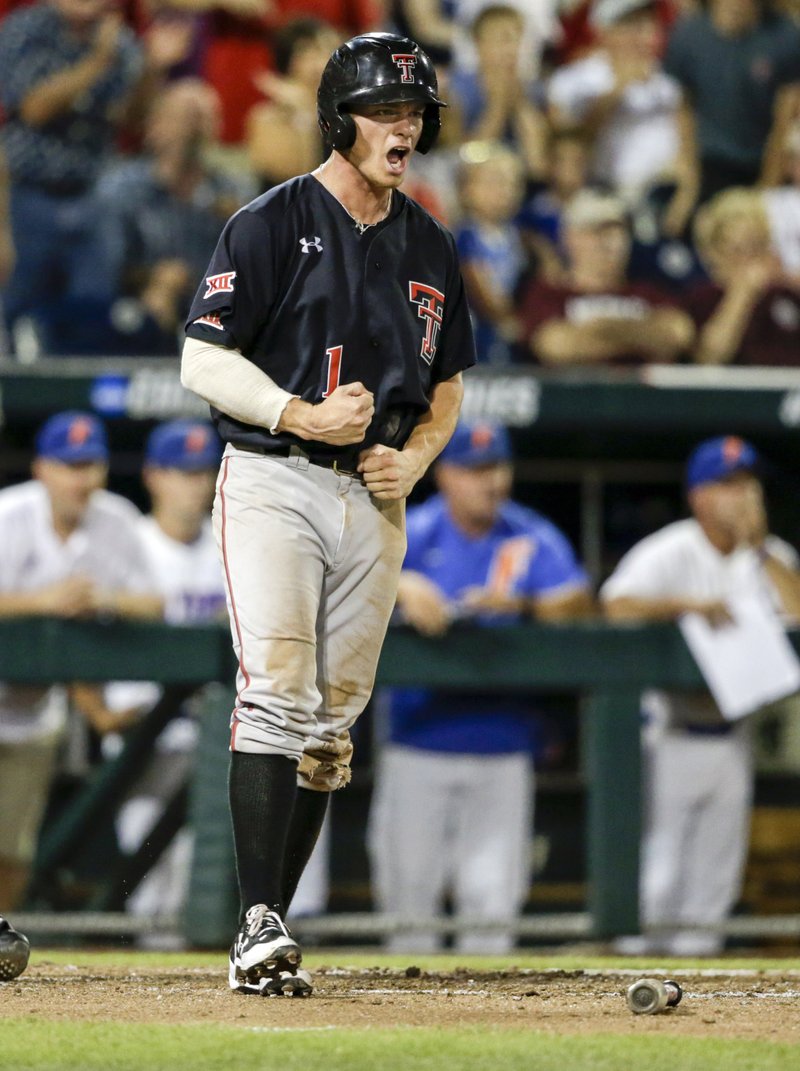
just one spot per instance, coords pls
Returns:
(486, 600)
(387, 473)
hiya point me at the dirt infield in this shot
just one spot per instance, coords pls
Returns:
(746, 1004)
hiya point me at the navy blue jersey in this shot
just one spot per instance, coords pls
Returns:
(314, 304)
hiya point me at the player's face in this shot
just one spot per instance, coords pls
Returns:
(386, 136)
(474, 495)
(723, 502)
(186, 495)
(70, 487)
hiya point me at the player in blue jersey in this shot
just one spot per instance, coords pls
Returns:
(453, 803)
(329, 336)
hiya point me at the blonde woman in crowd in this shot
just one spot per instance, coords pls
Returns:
(749, 311)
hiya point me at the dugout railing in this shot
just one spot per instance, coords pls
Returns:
(608, 664)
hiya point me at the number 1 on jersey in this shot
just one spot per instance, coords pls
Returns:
(334, 355)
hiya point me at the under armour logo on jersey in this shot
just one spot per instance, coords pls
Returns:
(431, 309)
(311, 243)
(219, 284)
(406, 62)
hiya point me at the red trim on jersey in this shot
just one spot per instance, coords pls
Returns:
(234, 612)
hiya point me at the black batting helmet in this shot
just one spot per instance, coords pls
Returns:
(376, 68)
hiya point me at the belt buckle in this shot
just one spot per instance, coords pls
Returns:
(343, 472)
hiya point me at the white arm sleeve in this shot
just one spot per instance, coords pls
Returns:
(233, 384)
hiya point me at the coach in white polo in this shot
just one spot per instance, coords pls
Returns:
(697, 766)
(68, 548)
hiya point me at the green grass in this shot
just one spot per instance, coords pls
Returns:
(26, 1046)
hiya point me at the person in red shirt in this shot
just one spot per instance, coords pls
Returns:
(749, 311)
(594, 315)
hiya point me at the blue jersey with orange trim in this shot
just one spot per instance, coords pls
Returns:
(523, 554)
(301, 293)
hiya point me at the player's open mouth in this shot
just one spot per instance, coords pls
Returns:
(398, 157)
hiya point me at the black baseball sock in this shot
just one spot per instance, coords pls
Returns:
(309, 813)
(261, 789)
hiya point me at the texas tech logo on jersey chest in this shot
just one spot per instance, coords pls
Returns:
(430, 308)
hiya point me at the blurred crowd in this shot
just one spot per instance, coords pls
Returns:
(622, 176)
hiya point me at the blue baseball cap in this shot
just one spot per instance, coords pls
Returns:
(477, 444)
(73, 437)
(715, 459)
(189, 445)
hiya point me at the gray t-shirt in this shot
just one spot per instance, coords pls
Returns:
(731, 82)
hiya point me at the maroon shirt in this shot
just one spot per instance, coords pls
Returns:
(772, 337)
(543, 302)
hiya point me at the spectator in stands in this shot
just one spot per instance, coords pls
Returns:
(783, 203)
(623, 100)
(596, 316)
(238, 48)
(68, 548)
(71, 74)
(169, 204)
(7, 252)
(698, 766)
(492, 257)
(453, 805)
(749, 311)
(430, 23)
(540, 220)
(735, 59)
(6, 238)
(494, 102)
(283, 138)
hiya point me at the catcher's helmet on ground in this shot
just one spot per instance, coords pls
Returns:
(376, 68)
(14, 951)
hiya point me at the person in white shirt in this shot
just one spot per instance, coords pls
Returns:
(623, 99)
(71, 549)
(179, 473)
(697, 766)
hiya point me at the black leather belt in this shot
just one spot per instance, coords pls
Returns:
(342, 466)
(721, 729)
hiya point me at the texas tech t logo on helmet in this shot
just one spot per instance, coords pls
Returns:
(406, 62)
(376, 68)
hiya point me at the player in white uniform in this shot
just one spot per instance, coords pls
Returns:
(68, 548)
(180, 467)
(452, 807)
(697, 766)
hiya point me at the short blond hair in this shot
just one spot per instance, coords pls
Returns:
(474, 154)
(739, 202)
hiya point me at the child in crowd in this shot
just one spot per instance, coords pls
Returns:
(491, 251)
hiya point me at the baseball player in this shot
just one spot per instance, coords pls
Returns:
(698, 767)
(180, 466)
(329, 336)
(68, 548)
(453, 800)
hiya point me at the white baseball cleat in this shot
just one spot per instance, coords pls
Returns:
(265, 958)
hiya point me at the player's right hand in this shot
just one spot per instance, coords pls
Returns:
(72, 597)
(343, 417)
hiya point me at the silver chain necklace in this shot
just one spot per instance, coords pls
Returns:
(361, 227)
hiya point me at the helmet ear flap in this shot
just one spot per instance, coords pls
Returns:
(341, 131)
(431, 125)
